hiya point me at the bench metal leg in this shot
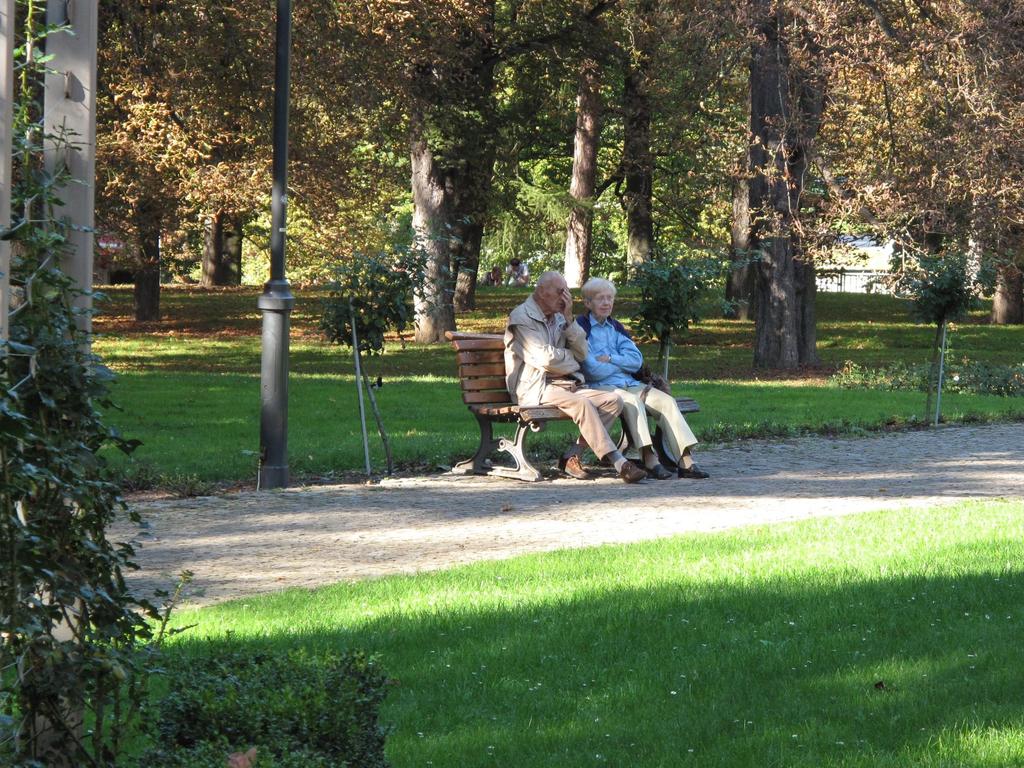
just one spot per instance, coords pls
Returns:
(516, 448)
(480, 464)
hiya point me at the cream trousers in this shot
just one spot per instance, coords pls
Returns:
(663, 409)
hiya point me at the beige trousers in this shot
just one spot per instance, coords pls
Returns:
(593, 412)
(663, 408)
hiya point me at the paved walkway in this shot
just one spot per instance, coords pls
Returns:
(250, 543)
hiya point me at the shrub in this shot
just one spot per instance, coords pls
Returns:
(898, 376)
(965, 376)
(323, 707)
(375, 291)
(213, 755)
(375, 295)
(674, 292)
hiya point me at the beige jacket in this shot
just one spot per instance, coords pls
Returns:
(530, 358)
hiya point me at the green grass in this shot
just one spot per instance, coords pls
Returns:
(189, 385)
(885, 639)
(207, 425)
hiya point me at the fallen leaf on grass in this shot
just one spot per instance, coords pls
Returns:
(242, 759)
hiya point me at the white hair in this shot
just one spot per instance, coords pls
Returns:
(546, 278)
(596, 285)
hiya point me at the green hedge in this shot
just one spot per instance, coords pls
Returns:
(297, 709)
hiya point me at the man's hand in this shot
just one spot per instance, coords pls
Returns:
(566, 308)
(604, 358)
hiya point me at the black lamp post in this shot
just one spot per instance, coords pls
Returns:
(277, 301)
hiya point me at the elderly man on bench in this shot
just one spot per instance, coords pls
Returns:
(543, 352)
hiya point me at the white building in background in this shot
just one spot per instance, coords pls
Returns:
(858, 264)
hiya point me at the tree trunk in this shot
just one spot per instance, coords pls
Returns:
(232, 253)
(1008, 302)
(468, 180)
(785, 114)
(222, 250)
(933, 372)
(739, 288)
(213, 249)
(146, 294)
(451, 191)
(584, 176)
(435, 312)
(466, 263)
(638, 165)
(807, 313)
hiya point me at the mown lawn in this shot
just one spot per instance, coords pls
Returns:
(884, 639)
(189, 385)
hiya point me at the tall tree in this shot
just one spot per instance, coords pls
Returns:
(137, 139)
(584, 174)
(1007, 301)
(786, 105)
(928, 127)
(739, 286)
(450, 66)
(637, 159)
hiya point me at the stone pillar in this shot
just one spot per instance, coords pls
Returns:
(6, 115)
(69, 109)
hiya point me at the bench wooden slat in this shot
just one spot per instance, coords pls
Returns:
(486, 344)
(687, 405)
(540, 413)
(479, 356)
(480, 384)
(455, 336)
(470, 370)
(504, 412)
(491, 396)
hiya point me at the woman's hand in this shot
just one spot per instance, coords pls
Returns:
(604, 358)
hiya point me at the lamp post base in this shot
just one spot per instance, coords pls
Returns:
(276, 305)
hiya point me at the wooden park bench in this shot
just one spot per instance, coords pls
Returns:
(481, 365)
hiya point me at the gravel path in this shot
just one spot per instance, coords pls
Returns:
(249, 543)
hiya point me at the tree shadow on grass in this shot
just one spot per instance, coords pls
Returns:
(825, 670)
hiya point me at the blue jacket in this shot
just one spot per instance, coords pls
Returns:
(609, 338)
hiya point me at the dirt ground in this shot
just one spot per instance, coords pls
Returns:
(249, 543)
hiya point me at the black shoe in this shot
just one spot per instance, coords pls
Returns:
(573, 467)
(658, 472)
(693, 473)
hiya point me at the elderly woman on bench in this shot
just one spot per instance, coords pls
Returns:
(610, 363)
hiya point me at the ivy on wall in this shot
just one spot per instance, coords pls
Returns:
(73, 640)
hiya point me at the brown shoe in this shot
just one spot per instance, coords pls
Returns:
(573, 467)
(631, 473)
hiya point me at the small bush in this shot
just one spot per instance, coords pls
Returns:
(213, 755)
(187, 486)
(297, 709)
(898, 376)
(964, 377)
(140, 476)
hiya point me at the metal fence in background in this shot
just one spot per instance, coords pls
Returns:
(852, 281)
